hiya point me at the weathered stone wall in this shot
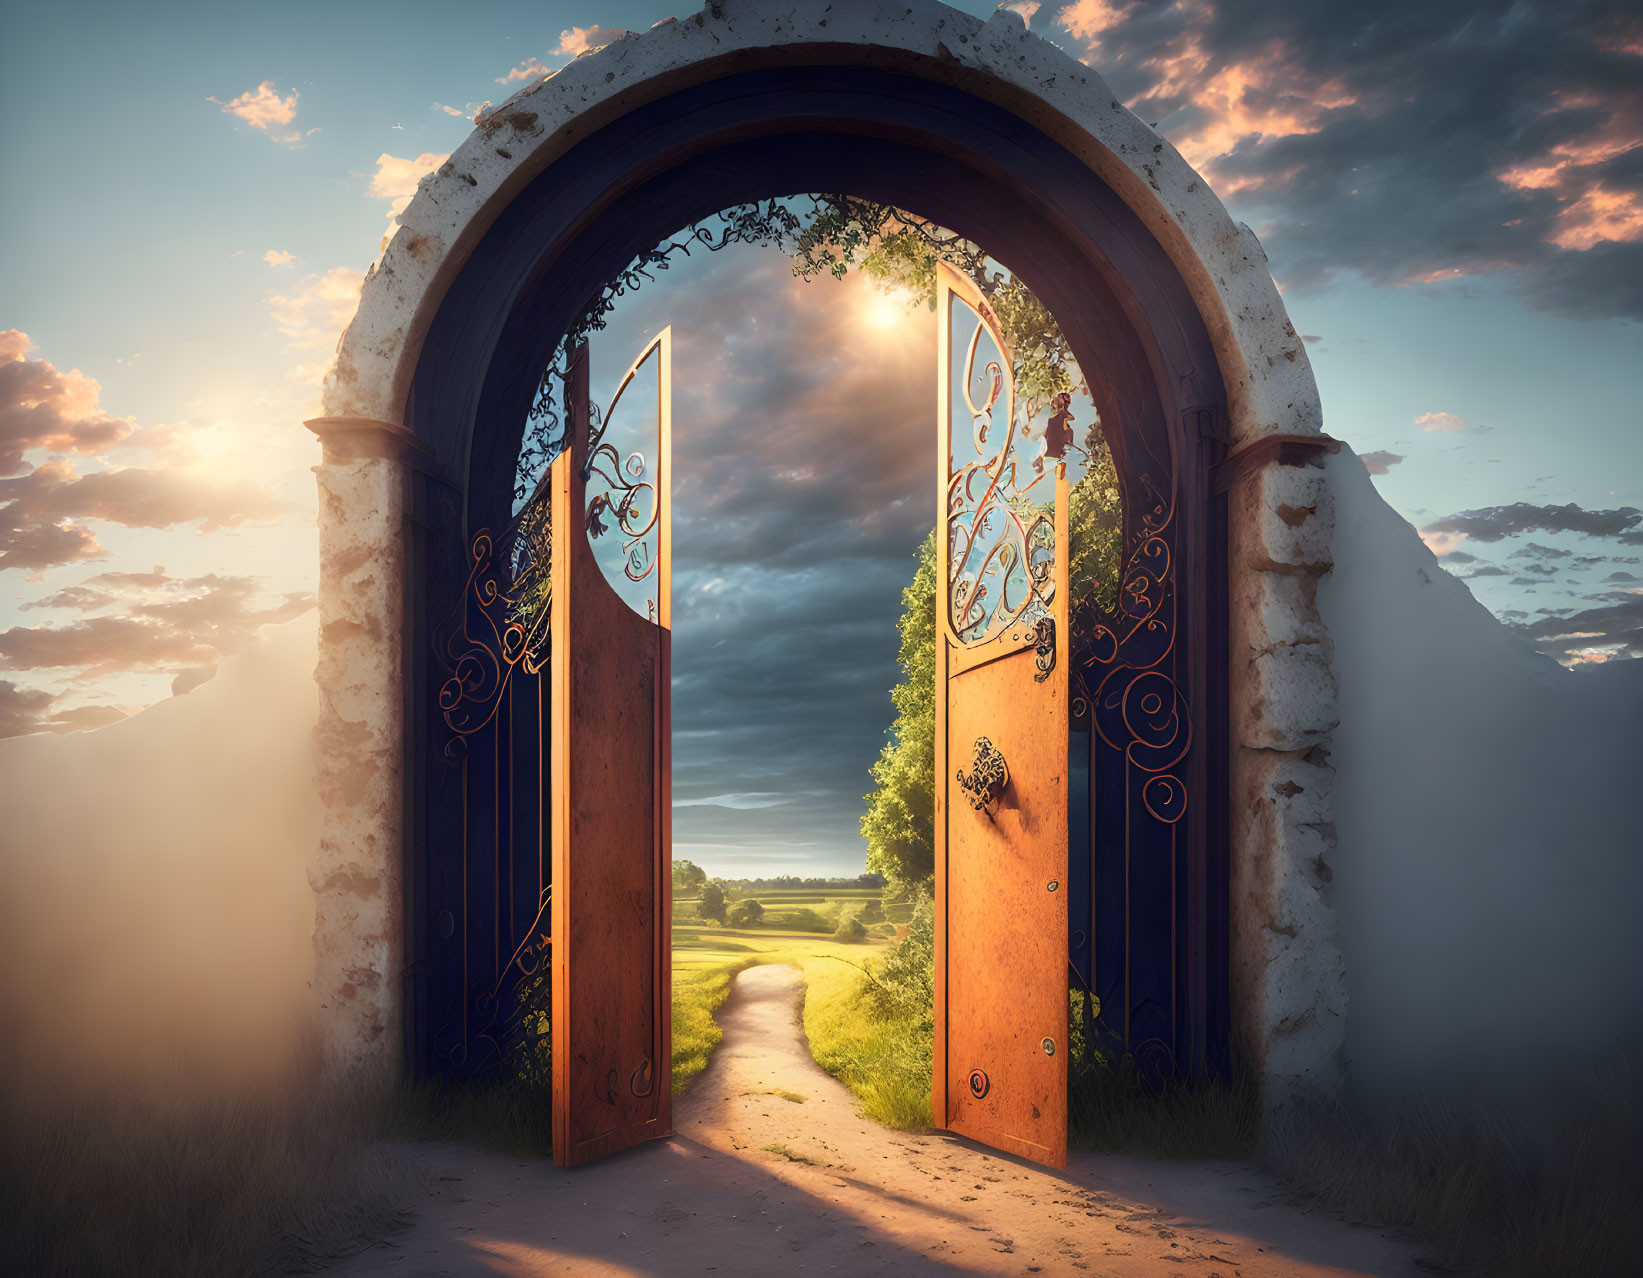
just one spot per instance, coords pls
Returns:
(356, 872)
(1288, 983)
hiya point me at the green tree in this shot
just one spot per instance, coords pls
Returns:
(747, 913)
(872, 912)
(850, 930)
(688, 876)
(900, 821)
(712, 904)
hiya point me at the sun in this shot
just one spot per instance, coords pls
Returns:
(886, 309)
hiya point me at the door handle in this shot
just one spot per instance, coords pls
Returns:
(988, 776)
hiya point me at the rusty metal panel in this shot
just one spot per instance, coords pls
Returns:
(610, 803)
(1001, 765)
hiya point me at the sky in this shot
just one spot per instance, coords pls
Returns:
(1450, 196)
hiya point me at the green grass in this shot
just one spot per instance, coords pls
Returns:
(884, 1061)
(706, 956)
(788, 1154)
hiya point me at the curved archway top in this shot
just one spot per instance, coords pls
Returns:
(1263, 362)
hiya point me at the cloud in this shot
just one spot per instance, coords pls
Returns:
(42, 407)
(528, 70)
(1617, 626)
(1439, 422)
(148, 623)
(574, 41)
(396, 181)
(1492, 523)
(40, 512)
(24, 710)
(1089, 20)
(44, 509)
(46, 544)
(314, 314)
(1621, 576)
(135, 496)
(1409, 141)
(1026, 8)
(1379, 462)
(1441, 542)
(276, 257)
(262, 108)
(1534, 550)
(802, 490)
(396, 178)
(21, 709)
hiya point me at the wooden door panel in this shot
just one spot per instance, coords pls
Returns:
(610, 802)
(1007, 928)
(1001, 858)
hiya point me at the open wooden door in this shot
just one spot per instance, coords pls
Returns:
(611, 775)
(1001, 749)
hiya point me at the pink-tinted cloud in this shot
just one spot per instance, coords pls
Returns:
(396, 181)
(396, 178)
(1441, 541)
(1443, 422)
(1412, 141)
(147, 622)
(1089, 20)
(1220, 103)
(1573, 168)
(24, 710)
(21, 709)
(99, 646)
(42, 407)
(314, 314)
(261, 107)
(136, 496)
(574, 41)
(278, 257)
(529, 70)
(46, 544)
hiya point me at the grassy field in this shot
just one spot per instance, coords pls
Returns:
(877, 1059)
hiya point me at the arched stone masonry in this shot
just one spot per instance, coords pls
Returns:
(1288, 987)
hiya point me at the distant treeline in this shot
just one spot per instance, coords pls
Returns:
(791, 883)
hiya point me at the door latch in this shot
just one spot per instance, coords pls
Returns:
(988, 776)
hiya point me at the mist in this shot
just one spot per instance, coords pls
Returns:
(153, 894)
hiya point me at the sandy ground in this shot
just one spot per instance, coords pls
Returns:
(853, 1197)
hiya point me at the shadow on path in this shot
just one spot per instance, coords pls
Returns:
(850, 1197)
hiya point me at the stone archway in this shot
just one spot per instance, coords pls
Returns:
(997, 134)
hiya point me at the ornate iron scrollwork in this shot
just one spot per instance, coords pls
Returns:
(980, 1084)
(1001, 551)
(499, 623)
(988, 776)
(626, 490)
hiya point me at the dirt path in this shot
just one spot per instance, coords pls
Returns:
(850, 1197)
